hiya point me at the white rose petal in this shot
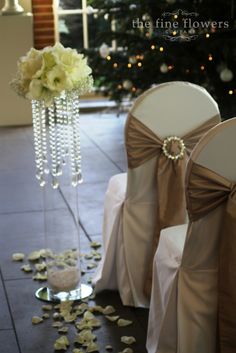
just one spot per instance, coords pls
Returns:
(92, 347)
(123, 322)
(36, 320)
(109, 309)
(61, 343)
(18, 256)
(128, 339)
(112, 318)
(26, 268)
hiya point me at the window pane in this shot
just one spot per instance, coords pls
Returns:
(71, 31)
(70, 4)
(96, 26)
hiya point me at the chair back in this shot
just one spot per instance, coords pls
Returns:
(216, 152)
(169, 109)
(207, 302)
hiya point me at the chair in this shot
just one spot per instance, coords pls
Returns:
(193, 302)
(137, 204)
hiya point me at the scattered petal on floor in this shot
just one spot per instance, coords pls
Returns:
(109, 348)
(26, 268)
(63, 330)
(95, 245)
(108, 310)
(123, 322)
(40, 277)
(34, 256)
(57, 324)
(45, 316)
(96, 308)
(85, 337)
(128, 339)
(127, 350)
(41, 266)
(61, 343)
(36, 320)
(92, 347)
(112, 318)
(91, 266)
(76, 350)
(47, 307)
(18, 256)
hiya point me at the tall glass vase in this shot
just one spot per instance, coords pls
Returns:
(58, 170)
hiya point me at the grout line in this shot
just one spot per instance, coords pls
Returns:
(9, 308)
(17, 279)
(31, 211)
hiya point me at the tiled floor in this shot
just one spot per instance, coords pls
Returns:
(21, 230)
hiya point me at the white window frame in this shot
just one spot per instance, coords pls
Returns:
(84, 12)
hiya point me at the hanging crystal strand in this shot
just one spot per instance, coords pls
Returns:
(71, 128)
(36, 112)
(63, 128)
(66, 124)
(44, 138)
(53, 147)
(77, 136)
(58, 137)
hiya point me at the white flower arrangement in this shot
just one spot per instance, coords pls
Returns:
(44, 74)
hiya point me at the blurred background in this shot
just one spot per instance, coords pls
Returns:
(129, 51)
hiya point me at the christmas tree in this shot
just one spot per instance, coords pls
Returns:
(149, 42)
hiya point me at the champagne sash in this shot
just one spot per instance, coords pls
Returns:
(142, 144)
(206, 191)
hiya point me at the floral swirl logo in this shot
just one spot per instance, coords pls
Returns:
(179, 25)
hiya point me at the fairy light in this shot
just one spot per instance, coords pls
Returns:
(231, 92)
(174, 33)
(108, 57)
(207, 35)
(153, 47)
(115, 65)
(202, 67)
(161, 49)
(134, 89)
(210, 57)
(139, 64)
(141, 57)
(175, 17)
(170, 67)
(129, 65)
(119, 86)
(187, 71)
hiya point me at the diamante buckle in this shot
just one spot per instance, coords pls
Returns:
(167, 144)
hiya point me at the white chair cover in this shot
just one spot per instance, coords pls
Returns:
(131, 202)
(183, 308)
